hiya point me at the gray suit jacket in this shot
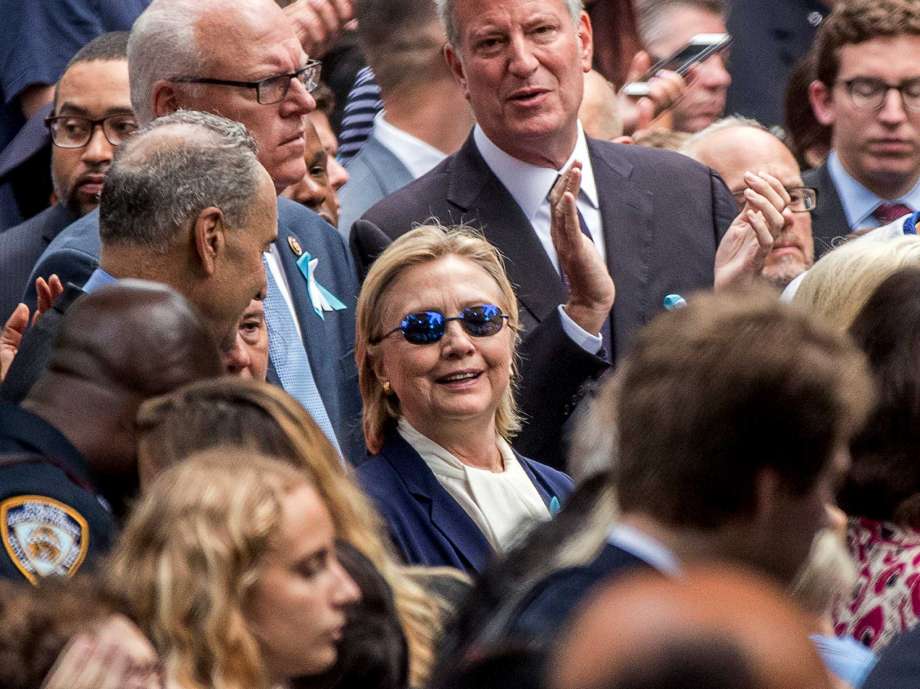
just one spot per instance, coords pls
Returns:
(329, 341)
(663, 216)
(373, 174)
(20, 247)
(829, 224)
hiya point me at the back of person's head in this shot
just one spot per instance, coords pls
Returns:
(715, 394)
(263, 418)
(135, 338)
(808, 139)
(652, 15)
(665, 139)
(883, 482)
(191, 554)
(839, 284)
(170, 171)
(373, 653)
(712, 628)
(402, 41)
(163, 44)
(600, 112)
(857, 21)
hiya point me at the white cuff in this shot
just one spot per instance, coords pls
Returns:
(588, 342)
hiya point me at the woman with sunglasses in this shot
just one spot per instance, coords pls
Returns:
(437, 325)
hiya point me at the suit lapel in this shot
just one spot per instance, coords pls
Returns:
(447, 517)
(473, 186)
(627, 215)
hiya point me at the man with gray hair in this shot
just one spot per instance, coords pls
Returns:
(187, 204)
(180, 57)
(652, 221)
(665, 26)
(734, 146)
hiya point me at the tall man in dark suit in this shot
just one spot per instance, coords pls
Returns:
(655, 219)
(179, 57)
(91, 116)
(868, 91)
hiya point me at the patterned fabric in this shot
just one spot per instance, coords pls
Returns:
(358, 119)
(886, 598)
(889, 212)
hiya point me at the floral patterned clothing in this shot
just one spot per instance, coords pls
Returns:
(886, 598)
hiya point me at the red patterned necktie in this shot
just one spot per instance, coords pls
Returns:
(889, 212)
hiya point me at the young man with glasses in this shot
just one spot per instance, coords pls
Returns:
(734, 146)
(868, 91)
(92, 115)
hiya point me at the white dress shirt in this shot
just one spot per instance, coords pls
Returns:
(649, 550)
(530, 185)
(497, 502)
(418, 156)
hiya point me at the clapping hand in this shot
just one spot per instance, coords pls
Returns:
(749, 239)
(591, 289)
(16, 324)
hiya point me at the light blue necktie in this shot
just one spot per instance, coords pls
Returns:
(289, 357)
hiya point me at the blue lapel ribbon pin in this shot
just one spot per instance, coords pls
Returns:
(554, 506)
(320, 298)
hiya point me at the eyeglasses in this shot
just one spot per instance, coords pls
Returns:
(426, 327)
(870, 94)
(71, 131)
(270, 90)
(801, 199)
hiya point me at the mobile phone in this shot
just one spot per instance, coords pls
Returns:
(695, 51)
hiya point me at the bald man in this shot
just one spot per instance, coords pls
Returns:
(67, 453)
(714, 628)
(735, 146)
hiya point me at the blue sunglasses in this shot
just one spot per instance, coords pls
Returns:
(425, 327)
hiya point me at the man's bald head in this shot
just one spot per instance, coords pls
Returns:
(714, 627)
(135, 337)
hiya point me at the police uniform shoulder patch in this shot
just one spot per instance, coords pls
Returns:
(42, 536)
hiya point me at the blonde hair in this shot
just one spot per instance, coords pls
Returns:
(423, 245)
(189, 556)
(838, 286)
(262, 417)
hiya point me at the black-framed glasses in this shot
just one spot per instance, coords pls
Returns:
(867, 93)
(425, 327)
(272, 89)
(73, 131)
(801, 199)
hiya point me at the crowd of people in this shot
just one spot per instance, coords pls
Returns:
(460, 344)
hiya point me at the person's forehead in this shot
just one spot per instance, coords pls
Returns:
(450, 281)
(737, 149)
(479, 14)
(99, 84)
(885, 57)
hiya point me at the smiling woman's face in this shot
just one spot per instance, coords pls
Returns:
(460, 378)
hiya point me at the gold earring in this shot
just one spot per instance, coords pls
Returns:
(386, 388)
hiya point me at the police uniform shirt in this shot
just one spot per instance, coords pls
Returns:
(52, 522)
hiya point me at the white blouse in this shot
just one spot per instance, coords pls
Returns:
(497, 502)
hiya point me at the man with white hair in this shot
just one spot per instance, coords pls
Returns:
(181, 56)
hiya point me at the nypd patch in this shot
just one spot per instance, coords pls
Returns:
(43, 537)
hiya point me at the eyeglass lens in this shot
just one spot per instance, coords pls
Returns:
(274, 89)
(428, 326)
(75, 132)
(871, 93)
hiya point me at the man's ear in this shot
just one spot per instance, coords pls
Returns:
(208, 234)
(586, 40)
(165, 98)
(455, 65)
(822, 103)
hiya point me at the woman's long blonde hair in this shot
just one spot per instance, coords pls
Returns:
(263, 418)
(192, 552)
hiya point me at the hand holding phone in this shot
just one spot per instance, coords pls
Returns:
(697, 49)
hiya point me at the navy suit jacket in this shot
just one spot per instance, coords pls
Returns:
(373, 174)
(329, 341)
(425, 523)
(663, 216)
(21, 246)
(551, 602)
(829, 224)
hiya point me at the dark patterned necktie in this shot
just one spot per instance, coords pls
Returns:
(887, 213)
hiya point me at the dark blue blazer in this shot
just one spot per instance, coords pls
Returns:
(329, 342)
(425, 523)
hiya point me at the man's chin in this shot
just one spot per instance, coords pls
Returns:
(784, 271)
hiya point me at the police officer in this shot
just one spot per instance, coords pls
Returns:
(68, 452)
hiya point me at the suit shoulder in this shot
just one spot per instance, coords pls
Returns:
(418, 200)
(655, 159)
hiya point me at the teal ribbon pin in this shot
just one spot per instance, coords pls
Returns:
(320, 298)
